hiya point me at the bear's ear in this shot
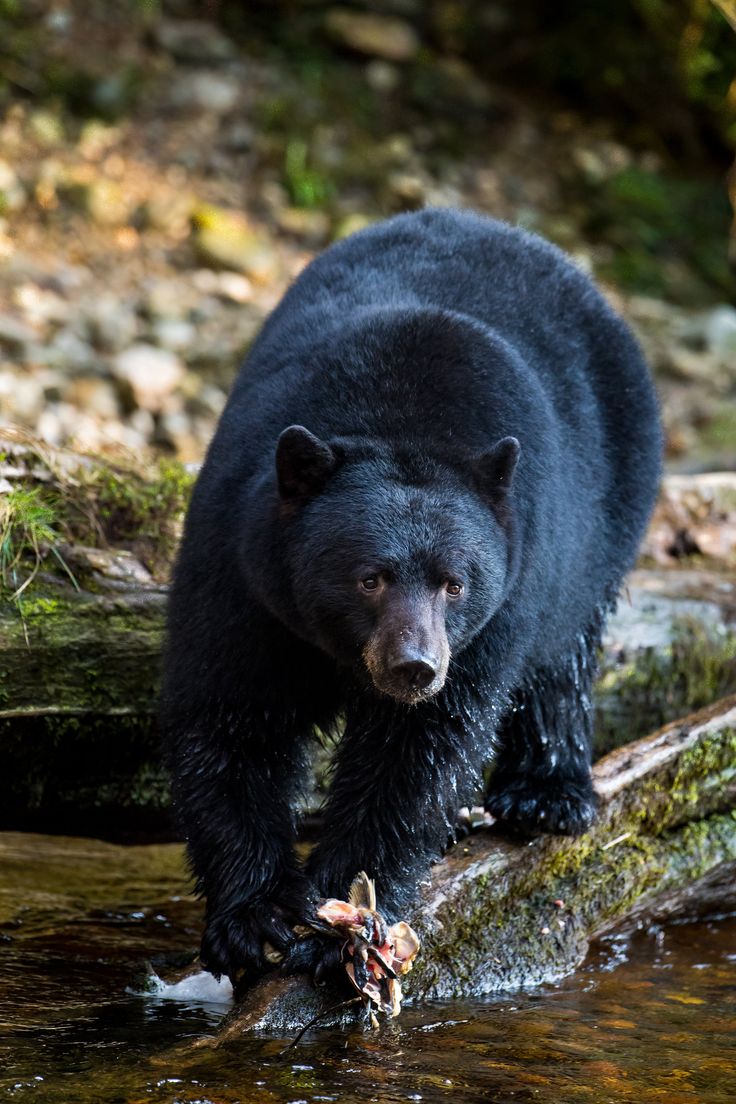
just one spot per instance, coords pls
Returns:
(494, 470)
(303, 463)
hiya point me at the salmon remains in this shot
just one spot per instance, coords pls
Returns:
(374, 954)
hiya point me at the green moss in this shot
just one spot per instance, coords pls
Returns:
(698, 668)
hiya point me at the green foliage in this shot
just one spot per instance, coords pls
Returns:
(307, 186)
(666, 230)
(27, 523)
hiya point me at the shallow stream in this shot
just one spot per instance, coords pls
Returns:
(650, 1019)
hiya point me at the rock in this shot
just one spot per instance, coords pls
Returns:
(231, 285)
(46, 128)
(95, 396)
(151, 374)
(382, 77)
(175, 429)
(40, 306)
(21, 397)
(310, 225)
(174, 333)
(720, 331)
(193, 40)
(238, 137)
(110, 324)
(209, 400)
(164, 299)
(105, 201)
(69, 352)
(351, 223)
(224, 239)
(381, 36)
(170, 210)
(12, 193)
(15, 336)
(206, 91)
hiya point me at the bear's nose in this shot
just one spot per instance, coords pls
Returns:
(416, 674)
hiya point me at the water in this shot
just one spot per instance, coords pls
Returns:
(652, 1019)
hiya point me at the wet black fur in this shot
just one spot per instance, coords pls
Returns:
(411, 347)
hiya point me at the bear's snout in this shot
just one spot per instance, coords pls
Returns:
(407, 656)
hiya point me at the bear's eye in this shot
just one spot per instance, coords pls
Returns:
(369, 583)
(453, 588)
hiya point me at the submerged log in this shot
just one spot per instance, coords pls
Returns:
(500, 915)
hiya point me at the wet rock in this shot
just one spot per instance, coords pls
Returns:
(193, 40)
(224, 239)
(381, 36)
(151, 374)
(206, 91)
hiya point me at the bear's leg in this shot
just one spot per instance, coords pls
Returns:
(235, 740)
(541, 779)
(400, 775)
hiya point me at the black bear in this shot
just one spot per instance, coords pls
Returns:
(431, 476)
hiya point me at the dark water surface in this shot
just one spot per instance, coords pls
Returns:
(651, 1019)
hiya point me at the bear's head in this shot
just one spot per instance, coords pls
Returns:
(395, 562)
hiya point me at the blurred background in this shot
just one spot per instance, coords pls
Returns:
(168, 166)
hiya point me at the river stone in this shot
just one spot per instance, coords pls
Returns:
(150, 373)
(376, 35)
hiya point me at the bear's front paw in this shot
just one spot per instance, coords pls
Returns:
(528, 806)
(317, 955)
(244, 941)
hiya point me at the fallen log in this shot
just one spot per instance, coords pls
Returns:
(499, 915)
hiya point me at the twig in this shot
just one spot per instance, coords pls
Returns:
(320, 1016)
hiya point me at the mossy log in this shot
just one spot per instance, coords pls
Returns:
(499, 915)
